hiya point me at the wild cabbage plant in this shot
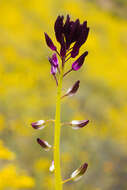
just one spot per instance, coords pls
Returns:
(71, 35)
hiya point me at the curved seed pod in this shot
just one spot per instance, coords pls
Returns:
(44, 144)
(79, 124)
(72, 91)
(77, 174)
(38, 124)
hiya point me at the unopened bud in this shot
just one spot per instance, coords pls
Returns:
(39, 124)
(44, 144)
(79, 62)
(49, 42)
(77, 174)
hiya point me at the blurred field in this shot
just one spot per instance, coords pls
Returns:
(27, 94)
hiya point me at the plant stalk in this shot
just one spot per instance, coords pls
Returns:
(58, 178)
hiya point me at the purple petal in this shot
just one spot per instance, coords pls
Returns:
(49, 42)
(53, 70)
(79, 62)
(54, 60)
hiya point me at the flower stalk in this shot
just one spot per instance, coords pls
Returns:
(58, 179)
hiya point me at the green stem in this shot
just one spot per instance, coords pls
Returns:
(58, 179)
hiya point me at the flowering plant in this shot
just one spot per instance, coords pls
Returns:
(71, 36)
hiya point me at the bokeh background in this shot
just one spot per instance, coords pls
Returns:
(28, 91)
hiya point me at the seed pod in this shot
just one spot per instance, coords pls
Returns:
(72, 91)
(44, 144)
(79, 124)
(38, 124)
(77, 174)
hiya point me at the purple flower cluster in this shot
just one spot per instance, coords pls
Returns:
(70, 32)
(71, 35)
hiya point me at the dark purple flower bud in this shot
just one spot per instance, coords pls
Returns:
(52, 167)
(71, 91)
(71, 31)
(59, 32)
(77, 174)
(79, 62)
(39, 124)
(44, 144)
(82, 39)
(79, 124)
(59, 29)
(49, 42)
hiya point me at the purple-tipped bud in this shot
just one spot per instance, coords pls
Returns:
(52, 167)
(39, 124)
(79, 124)
(49, 42)
(79, 62)
(77, 174)
(44, 144)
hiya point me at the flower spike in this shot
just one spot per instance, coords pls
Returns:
(79, 62)
(44, 144)
(49, 42)
(70, 35)
(79, 124)
(77, 174)
(39, 124)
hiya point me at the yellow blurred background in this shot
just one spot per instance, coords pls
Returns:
(28, 91)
